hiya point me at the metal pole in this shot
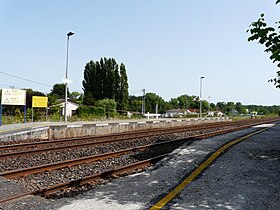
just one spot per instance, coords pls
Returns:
(200, 107)
(209, 104)
(24, 113)
(66, 77)
(0, 114)
(143, 102)
(156, 111)
(66, 82)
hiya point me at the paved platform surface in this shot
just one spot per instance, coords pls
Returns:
(247, 176)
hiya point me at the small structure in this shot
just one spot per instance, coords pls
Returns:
(174, 112)
(192, 111)
(219, 114)
(151, 115)
(210, 113)
(71, 107)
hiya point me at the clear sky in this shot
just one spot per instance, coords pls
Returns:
(166, 45)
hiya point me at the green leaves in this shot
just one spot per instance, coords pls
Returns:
(105, 79)
(270, 38)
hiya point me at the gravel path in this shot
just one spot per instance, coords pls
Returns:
(245, 177)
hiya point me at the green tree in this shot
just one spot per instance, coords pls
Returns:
(29, 94)
(135, 103)
(270, 38)
(75, 96)
(122, 97)
(58, 91)
(221, 106)
(174, 103)
(240, 108)
(109, 105)
(151, 100)
(105, 79)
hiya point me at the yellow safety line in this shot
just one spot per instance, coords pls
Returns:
(197, 171)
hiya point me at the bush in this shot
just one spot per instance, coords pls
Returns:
(104, 108)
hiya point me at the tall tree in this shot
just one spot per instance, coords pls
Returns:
(122, 99)
(152, 100)
(58, 90)
(270, 37)
(105, 79)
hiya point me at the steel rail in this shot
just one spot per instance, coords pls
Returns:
(145, 135)
(86, 180)
(92, 178)
(85, 138)
(93, 158)
(35, 144)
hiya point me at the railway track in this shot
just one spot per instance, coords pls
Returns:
(45, 146)
(19, 173)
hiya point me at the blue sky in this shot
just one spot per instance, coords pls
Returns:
(165, 45)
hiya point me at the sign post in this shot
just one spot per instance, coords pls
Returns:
(39, 102)
(13, 97)
(0, 114)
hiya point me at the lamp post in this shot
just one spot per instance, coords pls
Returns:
(66, 76)
(200, 107)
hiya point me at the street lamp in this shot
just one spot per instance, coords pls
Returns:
(200, 107)
(66, 76)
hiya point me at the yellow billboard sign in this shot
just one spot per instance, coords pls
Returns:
(39, 101)
(13, 97)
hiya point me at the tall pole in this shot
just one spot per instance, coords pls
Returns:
(143, 102)
(66, 76)
(209, 104)
(0, 113)
(200, 96)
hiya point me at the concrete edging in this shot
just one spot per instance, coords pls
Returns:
(80, 130)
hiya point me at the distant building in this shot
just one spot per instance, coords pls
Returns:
(192, 111)
(174, 112)
(219, 113)
(70, 109)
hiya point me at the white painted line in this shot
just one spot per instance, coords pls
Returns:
(39, 129)
(141, 122)
(74, 126)
(263, 126)
(123, 123)
(99, 125)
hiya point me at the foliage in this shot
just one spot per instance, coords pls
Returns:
(270, 38)
(29, 94)
(152, 100)
(122, 97)
(104, 79)
(103, 108)
(75, 96)
(58, 90)
(186, 102)
(135, 103)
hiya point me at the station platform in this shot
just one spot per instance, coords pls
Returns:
(59, 130)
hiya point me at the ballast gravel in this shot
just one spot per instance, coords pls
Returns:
(244, 177)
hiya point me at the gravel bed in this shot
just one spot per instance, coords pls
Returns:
(41, 180)
(25, 161)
